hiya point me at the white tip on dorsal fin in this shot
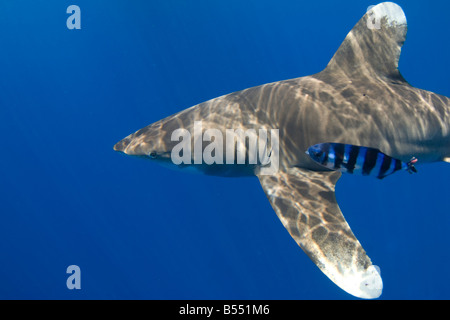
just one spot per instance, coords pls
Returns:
(373, 45)
(392, 12)
(446, 159)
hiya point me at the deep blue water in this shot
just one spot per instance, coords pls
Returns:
(140, 231)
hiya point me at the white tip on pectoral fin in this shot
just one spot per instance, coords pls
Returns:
(367, 285)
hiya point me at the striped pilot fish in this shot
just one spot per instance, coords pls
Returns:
(358, 160)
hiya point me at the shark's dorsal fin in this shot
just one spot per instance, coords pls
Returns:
(373, 46)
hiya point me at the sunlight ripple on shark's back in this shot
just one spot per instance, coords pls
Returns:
(360, 101)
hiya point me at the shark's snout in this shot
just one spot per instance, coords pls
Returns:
(136, 145)
(122, 145)
(150, 142)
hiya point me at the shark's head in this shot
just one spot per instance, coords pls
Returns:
(185, 145)
(152, 142)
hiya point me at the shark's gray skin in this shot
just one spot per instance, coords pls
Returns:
(360, 99)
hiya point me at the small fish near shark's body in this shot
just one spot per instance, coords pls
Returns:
(359, 113)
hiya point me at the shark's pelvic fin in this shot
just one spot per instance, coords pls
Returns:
(305, 202)
(374, 44)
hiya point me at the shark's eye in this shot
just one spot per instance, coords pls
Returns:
(152, 155)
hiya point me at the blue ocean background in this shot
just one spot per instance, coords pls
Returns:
(141, 231)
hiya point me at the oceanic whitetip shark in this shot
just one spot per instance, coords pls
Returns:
(358, 115)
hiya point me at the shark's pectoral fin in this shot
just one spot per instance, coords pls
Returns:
(306, 204)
